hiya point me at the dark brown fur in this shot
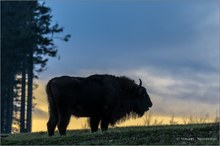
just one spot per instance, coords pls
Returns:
(103, 98)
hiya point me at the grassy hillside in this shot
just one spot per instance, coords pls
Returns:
(207, 134)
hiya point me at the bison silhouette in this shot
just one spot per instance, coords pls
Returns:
(103, 98)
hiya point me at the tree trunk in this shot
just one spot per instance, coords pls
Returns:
(30, 88)
(23, 95)
(9, 107)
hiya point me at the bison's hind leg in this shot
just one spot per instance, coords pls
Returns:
(94, 123)
(64, 119)
(51, 124)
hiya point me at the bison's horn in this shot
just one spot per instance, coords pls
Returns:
(140, 83)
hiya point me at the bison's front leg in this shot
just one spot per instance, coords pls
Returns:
(104, 124)
(94, 123)
(63, 123)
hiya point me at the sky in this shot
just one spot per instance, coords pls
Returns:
(172, 45)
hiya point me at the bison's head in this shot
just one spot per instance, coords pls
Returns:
(141, 102)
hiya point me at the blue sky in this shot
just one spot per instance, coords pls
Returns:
(172, 45)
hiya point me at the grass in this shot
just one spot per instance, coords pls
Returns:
(196, 134)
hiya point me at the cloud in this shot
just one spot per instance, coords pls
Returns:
(170, 35)
(183, 94)
(40, 113)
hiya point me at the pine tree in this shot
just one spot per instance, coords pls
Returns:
(27, 41)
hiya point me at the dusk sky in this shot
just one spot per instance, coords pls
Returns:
(172, 45)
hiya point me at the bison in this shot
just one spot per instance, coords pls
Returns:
(105, 99)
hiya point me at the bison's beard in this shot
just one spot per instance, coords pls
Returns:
(127, 116)
(140, 112)
(127, 111)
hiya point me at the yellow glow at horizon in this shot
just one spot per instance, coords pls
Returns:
(40, 124)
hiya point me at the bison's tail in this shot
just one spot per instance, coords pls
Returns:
(51, 100)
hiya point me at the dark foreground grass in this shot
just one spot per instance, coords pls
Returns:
(199, 134)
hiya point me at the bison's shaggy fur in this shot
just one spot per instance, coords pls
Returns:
(103, 98)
